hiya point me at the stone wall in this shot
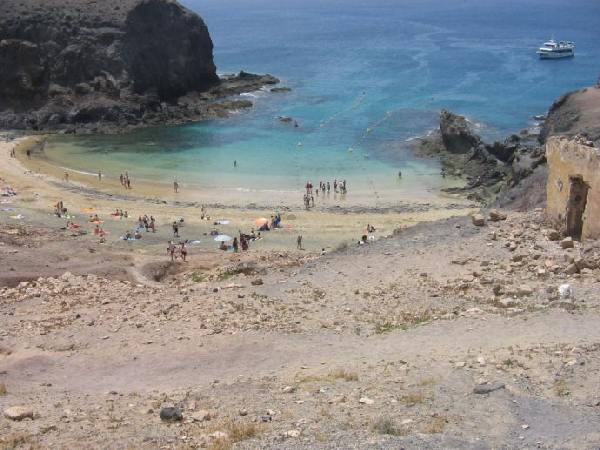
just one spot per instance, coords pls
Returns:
(568, 158)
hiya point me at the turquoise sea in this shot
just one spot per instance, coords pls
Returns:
(367, 76)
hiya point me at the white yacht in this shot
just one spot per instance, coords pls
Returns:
(553, 49)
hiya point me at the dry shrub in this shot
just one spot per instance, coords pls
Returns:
(236, 432)
(561, 388)
(337, 374)
(16, 440)
(414, 397)
(436, 425)
(385, 425)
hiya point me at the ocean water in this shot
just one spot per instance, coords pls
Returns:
(367, 76)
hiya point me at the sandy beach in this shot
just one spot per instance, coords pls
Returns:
(329, 225)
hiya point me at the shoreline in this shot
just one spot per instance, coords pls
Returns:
(326, 227)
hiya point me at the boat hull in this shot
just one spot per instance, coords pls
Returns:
(552, 55)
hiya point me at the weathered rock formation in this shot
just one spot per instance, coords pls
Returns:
(488, 168)
(575, 113)
(102, 65)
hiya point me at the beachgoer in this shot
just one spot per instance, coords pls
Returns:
(183, 251)
(176, 186)
(122, 178)
(171, 251)
(235, 244)
(67, 177)
(299, 242)
(235, 163)
(28, 153)
(99, 176)
(399, 174)
(152, 224)
(223, 246)
(175, 229)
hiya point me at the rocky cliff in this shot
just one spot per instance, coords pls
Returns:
(105, 65)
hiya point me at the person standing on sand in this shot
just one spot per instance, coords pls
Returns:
(235, 245)
(299, 242)
(175, 229)
(176, 186)
(100, 176)
(67, 177)
(171, 250)
(183, 251)
(122, 179)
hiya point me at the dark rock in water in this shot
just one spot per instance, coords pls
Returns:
(281, 89)
(171, 414)
(456, 133)
(82, 66)
(487, 388)
(285, 119)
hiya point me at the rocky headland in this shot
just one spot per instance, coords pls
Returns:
(488, 168)
(85, 66)
(511, 173)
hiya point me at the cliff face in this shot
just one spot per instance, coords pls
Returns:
(77, 61)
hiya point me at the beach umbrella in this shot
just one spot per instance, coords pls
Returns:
(223, 238)
(261, 221)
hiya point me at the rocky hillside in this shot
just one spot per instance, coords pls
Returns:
(89, 65)
(575, 113)
(488, 168)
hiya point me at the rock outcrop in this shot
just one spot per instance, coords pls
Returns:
(90, 65)
(488, 168)
(575, 113)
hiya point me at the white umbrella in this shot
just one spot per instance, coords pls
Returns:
(223, 238)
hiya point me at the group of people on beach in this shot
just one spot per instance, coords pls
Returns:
(146, 223)
(177, 250)
(125, 180)
(8, 191)
(119, 213)
(324, 188)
